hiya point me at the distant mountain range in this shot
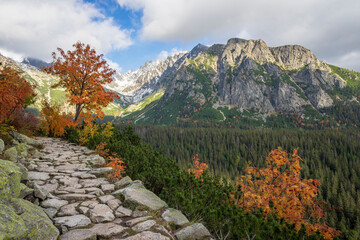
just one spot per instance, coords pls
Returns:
(242, 82)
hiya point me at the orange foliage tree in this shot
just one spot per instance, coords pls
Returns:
(83, 73)
(15, 93)
(279, 190)
(198, 168)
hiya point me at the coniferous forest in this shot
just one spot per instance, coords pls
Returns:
(331, 156)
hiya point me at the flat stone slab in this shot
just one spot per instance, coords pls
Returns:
(136, 193)
(195, 231)
(106, 198)
(75, 221)
(101, 213)
(147, 235)
(134, 221)
(54, 203)
(123, 212)
(77, 196)
(107, 230)
(79, 234)
(143, 226)
(68, 210)
(38, 176)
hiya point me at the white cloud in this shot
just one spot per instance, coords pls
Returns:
(328, 27)
(164, 54)
(36, 28)
(113, 65)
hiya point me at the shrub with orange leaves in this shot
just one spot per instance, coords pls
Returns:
(118, 165)
(113, 161)
(198, 168)
(279, 190)
(53, 121)
(15, 92)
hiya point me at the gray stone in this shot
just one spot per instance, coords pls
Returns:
(83, 210)
(75, 221)
(123, 212)
(40, 192)
(113, 204)
(77, 197)
(50, 187)
(143, 226)
(24, 171)
(79, 234)
(87, 183)
(101, 171)
(2, 146)
(69, 181)
(123, 182)
(25, 139)
(106, 188)
(107, 230)
(51, 212)
(147, 235)
(53, 203)
(101, 213)
(194, 231)
(134, 221)
(95, 160)
(68, 210)
(136, 193)
(90, 204)
(174, 216)
(138, 213)
(106, 198)
(38, 176)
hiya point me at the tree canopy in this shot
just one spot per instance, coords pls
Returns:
(83, 74)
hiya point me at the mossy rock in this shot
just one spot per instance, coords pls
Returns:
(12, 226)
(10, 177)
(11, 154)
(37, 222)
(25, 139)
(22, 150)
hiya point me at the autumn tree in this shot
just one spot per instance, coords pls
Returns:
(279, 190)
(198, 168)
(83, 74)
(15, 92)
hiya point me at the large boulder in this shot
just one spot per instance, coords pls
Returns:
(137, 194)
(25, 139)
(36, 221)
(10, 177)
(20, 219)
(11, 154)
(12, 226)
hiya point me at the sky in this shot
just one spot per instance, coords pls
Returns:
(131, 32)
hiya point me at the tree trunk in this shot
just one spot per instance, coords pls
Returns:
(77, 111)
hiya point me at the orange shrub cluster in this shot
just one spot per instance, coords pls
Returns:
(113, 161)
(198, 168)
(53, 121)
(278, 189)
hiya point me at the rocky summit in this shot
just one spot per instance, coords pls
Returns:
(68, 196)
(247, 75)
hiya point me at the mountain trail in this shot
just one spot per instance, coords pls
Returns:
(85, 205)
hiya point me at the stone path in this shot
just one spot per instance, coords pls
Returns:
(83, 204)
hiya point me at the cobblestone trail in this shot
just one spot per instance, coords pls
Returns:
(83, 204)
